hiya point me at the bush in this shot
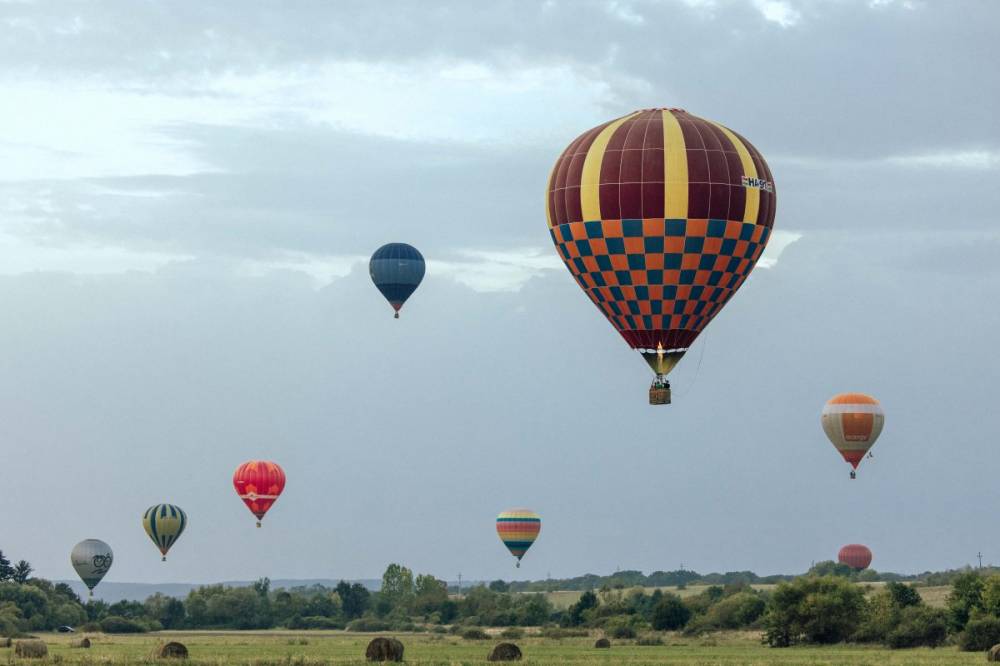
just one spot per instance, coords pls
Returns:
(813, 610)
(652, 639)
(316, 622)
(670, 613)
(622, 631)
(560, 632)
(980, 634)
(738, 611)
(439, 629)
(919, 626)
(512, 633)
(475, 634)
(368, 624)
(91, 627)
(114, 624)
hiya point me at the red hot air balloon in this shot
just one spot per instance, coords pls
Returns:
(855, 555)
(660, 216)
(259, 483)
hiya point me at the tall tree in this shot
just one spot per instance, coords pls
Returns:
(353, 599)
(22, 572)
(6, 571)
(397, 583)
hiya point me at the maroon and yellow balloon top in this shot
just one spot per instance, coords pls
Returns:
(660, 216)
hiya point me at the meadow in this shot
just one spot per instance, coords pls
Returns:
(321, 647)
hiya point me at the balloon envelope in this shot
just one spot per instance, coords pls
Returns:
(396, 269)
(91, 558)
(164, 524)
(660, 216)
(852, 422)
(855, 556)
(518, 529)
(259, 483)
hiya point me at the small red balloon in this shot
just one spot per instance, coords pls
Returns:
(259, 483)
(855, 556)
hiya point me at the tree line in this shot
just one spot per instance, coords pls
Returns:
(826, 605)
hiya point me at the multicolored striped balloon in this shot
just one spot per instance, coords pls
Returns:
(259, 483)
(660, 216)
(855, 555)
(518, 529)
(852, 421)
(164, 524)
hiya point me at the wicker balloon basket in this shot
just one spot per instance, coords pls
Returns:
(659, 396)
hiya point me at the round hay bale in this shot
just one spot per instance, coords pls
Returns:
(993, 654)
(82, 643)
(172, 650)
(602, 643)
(384, 649)
(505, 652)
(31, 649)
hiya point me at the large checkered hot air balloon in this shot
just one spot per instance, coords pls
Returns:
(518, 529)
(660, 216)
(852, 421)
(259, 483)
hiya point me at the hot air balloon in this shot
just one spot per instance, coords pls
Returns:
(91, 558)
(660, 216)
(259, 483)
(396, 269)
(518, 529)
(853, 422)
(855, 555)
(164, 524)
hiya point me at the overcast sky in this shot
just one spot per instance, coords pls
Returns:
(189, 194)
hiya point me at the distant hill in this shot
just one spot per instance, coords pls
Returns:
(112, 592)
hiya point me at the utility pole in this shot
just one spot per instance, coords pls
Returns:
(460, 583)
(980, 556)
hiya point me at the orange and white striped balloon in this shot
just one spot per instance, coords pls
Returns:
(853, 422)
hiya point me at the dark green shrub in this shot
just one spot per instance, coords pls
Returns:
(113, 624)
(670, 613)
(475, 634)
(622, 631)
(966, 597)
(652, 639)
(919, 626)
(559, 632)
(980, 634)
(368, 624)
(316, 622)
(813, 610)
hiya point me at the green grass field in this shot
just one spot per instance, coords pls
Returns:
(316, 647)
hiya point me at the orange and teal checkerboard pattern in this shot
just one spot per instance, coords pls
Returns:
(660, 216)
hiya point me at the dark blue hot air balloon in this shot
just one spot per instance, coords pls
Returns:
(396, 269)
